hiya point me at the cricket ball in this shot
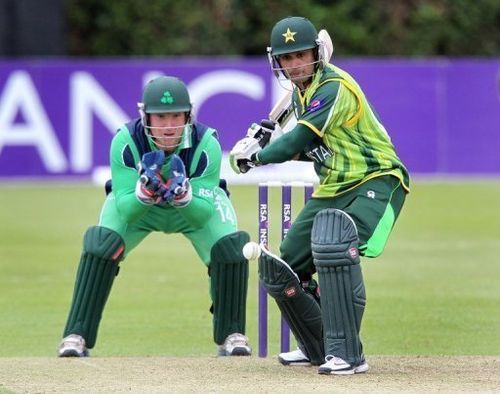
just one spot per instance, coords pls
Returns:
(251, 250)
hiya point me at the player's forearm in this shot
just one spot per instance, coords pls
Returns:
(286, 147)
(197, 212)
(124, 181)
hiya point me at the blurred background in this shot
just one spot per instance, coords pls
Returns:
(416, 28)
(72, 71)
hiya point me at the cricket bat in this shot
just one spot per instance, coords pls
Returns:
(283, 110)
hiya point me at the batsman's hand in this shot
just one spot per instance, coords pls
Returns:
(276, 130)
(178, 192)
(243, 156)
(150, 185)
(265, 133)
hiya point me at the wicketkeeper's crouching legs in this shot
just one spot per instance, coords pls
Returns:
(229, 286)
(334, 242)
(103, 249)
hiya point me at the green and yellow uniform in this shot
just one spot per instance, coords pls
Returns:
(362, 189)
(353, 145)
(354, 158)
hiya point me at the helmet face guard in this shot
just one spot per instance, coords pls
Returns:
(281, 73)
(165, 95)
(165, 142)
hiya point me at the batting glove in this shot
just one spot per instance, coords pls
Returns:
(265, 133)
(243, 156)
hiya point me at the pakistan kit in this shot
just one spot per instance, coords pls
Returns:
(362, 188)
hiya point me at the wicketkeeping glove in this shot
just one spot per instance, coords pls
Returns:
(178, 192)
(150, 186)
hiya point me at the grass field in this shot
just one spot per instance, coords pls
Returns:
(434, 291)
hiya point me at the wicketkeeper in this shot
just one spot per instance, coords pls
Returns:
(362, 188)
(165, 170)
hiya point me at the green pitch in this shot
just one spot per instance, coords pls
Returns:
(434, 291)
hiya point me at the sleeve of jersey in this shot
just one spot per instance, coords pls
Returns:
(287, 146)
(204, 179)
(326, 107)
(124, 179)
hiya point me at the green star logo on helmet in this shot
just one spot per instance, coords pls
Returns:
(167, 98)
(289, 35)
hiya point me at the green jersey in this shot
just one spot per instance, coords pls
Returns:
(352, 145)
(209, 215)
(207, 221)
(339, 131)
(127, 148)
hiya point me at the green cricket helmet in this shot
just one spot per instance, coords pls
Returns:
(163, 95)
(166, 94)
(293, 34)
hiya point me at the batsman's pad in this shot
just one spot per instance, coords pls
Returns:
(102, 251)
(229, 285)
(335, 241)
(299, 308)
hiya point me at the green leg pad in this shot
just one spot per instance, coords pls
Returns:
(300, 309)
(229, 285)
(335, 252)
(342, 303)
(303, 316)
(102, 251)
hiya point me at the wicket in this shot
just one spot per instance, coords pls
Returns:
(263, 236)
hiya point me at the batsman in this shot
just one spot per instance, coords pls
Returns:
(165, 177)
(361, 191)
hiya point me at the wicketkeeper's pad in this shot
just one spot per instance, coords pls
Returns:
(229, 285)
(102, 251)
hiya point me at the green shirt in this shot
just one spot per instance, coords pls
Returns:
(201, 154)
(350, 144)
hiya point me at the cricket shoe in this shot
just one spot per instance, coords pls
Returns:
(235, 345)
(73, 346)
(295, 357)
(337, 366)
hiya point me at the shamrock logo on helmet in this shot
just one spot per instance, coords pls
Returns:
(167, 98)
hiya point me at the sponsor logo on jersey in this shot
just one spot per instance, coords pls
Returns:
(315, 105)
(318, 152)
(205, 193)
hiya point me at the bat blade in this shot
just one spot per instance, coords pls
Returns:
(282, 110)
